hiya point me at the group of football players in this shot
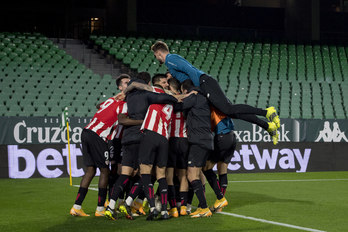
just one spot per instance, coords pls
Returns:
(163, 132)
(156, 139)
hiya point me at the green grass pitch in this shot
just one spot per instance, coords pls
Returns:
(257, 202)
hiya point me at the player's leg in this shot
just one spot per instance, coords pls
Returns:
(87, 138)
(226, 159)
(76, 210)
(161, 165)
(212, 179)
(116, 163)
(148, 147)
(196, 160)
(135, 189)
(173, 212)
(163, 190)
(222, 172)
(129, 163)
(212, 90)
(102, 191)
(180, 147)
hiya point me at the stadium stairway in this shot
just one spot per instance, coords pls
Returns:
(37, 78)
(89, 57)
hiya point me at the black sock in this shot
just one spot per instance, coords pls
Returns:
(136, 189)
(198, 189)
(102, 196)
(223, 183)
(119, 186)
(112, 178)
(214, 183)
(148, 189)
(158, 191)
(177, 188)
(190, 194)
(171, 196)
(127, 188)
(81, 194)
(163, 189)
(142, 194)
(183, 198)
(153, 179)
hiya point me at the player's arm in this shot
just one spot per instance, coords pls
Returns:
(183, 96)
(137, 85)
(189, 102)
(160, 98)
(134, 85)
(98, 106)
(124, 120)
(182, 65)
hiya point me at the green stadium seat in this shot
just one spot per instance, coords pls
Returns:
(56, 57)
(65, 102)
(61, 52)
(107, 77)
(28, 110)
(41, 111)
(120, 55)
(67, 57)
(88, 72)
(74, 62)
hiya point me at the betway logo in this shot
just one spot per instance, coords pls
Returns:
(251, 158)
(260, 135)
(49, 162)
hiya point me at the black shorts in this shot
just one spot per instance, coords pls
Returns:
(224, 146)
(95, 150)
(130, 155)
(153, 149)
(197, 156)
(115, 150)
(178, 153)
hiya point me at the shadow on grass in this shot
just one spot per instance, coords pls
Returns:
(240, 199)
(215, 223)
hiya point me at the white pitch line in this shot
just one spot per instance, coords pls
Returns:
(271, 222)
(78, 186)
(251, 218)
(308, 180)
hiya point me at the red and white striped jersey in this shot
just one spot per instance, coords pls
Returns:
(158, 117)
(106, 118)
(117, 131)
(178, 125)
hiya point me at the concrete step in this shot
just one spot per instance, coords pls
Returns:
(90, 58)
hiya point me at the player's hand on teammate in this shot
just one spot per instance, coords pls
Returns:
(120, 96)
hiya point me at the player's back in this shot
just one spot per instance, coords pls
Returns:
(105, 118)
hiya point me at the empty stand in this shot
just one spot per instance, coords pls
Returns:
(38, 79)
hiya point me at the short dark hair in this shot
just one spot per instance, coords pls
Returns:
(187, 85)
(174, 83)
(145, 76)
(159, 45)
(157, 78)
(119, 78)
